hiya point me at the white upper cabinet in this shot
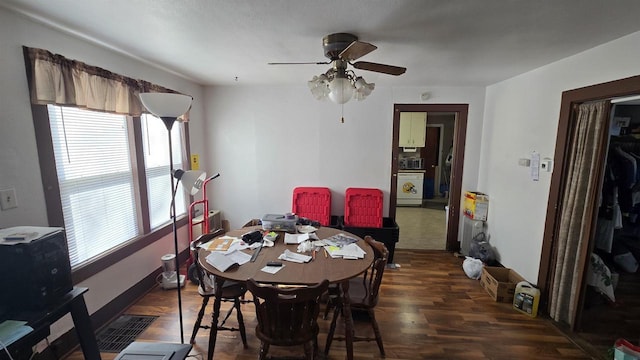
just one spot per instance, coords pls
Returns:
(412, 129)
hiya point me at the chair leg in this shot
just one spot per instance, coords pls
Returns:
(243, 333)
(376, 331)
(264, 349)
(196, 326)
(308, 350)
(331, 302)
(332, 328)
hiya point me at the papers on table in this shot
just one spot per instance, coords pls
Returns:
(12, 330)
(340, 240)
(295, 238)
(351, 251)
(225, 245)
(343, 246)
(272, 269)
(289, 255)
(305, 229)
(222, 262)
(24, 234)
(222, 243)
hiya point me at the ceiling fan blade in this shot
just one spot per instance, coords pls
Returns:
(356, 50)
(381, 68)
(299, 63)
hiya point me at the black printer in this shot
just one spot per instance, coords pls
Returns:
(35, 269)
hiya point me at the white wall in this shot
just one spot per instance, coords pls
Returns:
(18, 151)
(521, 116)
(265, 141)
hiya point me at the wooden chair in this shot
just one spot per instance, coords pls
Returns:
(252, 222)
(231, 292)
(363, 294)
(287, 316)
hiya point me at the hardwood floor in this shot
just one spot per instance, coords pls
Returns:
(429, 309)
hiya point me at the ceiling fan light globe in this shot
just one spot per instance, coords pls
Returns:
(359, 83)
(341, 90)
(367, 89)
(319, 93)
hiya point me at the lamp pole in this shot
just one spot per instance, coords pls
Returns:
(168, 121)
(168, 107)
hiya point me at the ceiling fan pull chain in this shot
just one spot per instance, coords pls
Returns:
(342, 113)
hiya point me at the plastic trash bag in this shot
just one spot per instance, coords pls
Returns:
(472, 267)
(481, 249)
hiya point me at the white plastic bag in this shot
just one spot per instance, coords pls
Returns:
(472, 267)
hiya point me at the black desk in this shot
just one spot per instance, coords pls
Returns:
(73, 302)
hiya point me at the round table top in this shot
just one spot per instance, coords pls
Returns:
(322, 267)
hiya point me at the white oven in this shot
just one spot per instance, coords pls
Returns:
(410, 188)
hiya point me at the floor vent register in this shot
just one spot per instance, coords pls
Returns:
(122, 332)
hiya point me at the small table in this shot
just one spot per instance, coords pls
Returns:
(337, 271)
(72, 302)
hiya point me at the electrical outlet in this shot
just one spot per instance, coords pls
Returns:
(8, 199)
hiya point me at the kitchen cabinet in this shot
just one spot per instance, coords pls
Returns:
(412, 129)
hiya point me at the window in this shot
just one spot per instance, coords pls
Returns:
(102, 200)
(156, 154)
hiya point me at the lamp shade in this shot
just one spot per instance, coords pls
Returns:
(341, 90)
(166, 104)
(192, 180)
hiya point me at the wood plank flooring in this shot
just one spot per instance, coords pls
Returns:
(429, 309)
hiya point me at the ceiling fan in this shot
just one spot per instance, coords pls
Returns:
(338, 83)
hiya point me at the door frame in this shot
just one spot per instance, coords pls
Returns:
(455, 188)
(571, 98)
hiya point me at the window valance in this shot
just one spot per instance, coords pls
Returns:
(54, 79)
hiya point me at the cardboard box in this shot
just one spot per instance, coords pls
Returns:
(500, 283)
(476, 205)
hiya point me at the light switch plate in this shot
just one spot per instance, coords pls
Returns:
(546, 165)
(8, 199)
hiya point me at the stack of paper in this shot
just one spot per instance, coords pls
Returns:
(340, 240)
(351, 251)
(222, 262)
(12, 330)
(295, 238)
(294, 257)
(225, 245)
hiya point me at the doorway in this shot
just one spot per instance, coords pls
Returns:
(450, 137)
(570, 100)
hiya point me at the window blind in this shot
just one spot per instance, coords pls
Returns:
(156, 160)
(96, 180)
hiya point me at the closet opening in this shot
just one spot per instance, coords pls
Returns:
(611, 305)
(586, 302)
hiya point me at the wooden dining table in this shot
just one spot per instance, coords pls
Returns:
(336, 270)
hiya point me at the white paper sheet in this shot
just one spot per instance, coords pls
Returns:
(289, 255)
(295, 238)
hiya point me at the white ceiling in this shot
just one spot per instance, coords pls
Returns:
(440, 42)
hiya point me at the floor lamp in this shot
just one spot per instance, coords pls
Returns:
(169, 107)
